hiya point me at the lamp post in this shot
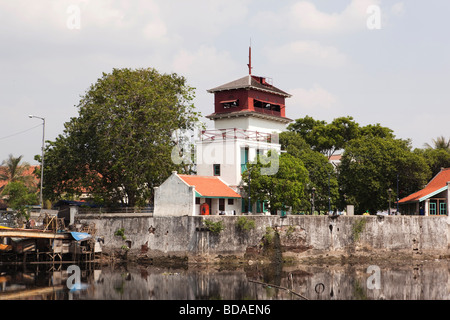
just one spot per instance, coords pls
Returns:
(389, 191)
(312, 200)
(249, 182)
(42, 157)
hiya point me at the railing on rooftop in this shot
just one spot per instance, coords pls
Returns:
(235, 133)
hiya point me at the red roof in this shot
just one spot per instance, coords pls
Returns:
(438, 182)
(28, 172)
(207, 186)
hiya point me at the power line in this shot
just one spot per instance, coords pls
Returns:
(15, 134)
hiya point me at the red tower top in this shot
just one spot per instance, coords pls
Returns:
(249, 94)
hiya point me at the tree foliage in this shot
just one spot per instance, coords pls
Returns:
(370, 166)
(323, 137)
(321, 173)
(119, 146)
(373, 161)
(281, 190)
(328, 138)
(436, 155)
(19, 197)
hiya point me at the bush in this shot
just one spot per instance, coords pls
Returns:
(214, 227)
(245, 224)
(120, 233)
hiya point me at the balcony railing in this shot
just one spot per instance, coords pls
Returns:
(268, 111)
(235, 133)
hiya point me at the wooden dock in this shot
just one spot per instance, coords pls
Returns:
(36, 246)
(33, 234)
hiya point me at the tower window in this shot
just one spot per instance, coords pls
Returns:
(230, 103)
(216, 169)
(266, 105)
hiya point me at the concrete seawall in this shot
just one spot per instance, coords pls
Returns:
(297, 237)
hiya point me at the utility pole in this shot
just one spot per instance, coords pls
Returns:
(42, 158)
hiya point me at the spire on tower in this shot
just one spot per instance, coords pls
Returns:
(250, 58)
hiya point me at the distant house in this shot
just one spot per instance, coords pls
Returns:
(335, 160)
(195, 195)
(430, 201)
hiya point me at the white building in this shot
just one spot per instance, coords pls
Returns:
(195, 195)
(249, 113)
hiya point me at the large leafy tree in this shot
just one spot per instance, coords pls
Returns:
(324, 137)
(328, 138)
(371, 165)
(322, 176)
(119, 147)
(283, 189)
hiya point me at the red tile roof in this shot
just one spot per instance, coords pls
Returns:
(209, 186)
(438, 182)
(28, 172)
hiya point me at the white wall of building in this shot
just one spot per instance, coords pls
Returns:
(174, 198)
(228, 153)
(250, 123)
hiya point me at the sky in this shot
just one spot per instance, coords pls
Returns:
(379, 61)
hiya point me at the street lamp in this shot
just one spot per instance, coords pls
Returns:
(42, 157)
(312, 200)
(389, 210)
(249, 182)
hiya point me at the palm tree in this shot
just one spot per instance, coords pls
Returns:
(11, 170)
(439, 143)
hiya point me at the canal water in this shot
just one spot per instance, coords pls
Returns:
(426, 280)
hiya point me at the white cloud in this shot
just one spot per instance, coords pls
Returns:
(204, 61)
(310, 53)
(306, 17)
(312, 99)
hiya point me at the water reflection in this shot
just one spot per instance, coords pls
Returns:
(417, 281)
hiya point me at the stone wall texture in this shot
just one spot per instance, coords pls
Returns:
(296, 236)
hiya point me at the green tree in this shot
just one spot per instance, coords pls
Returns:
(20, 197)
(281, 190)
(327, 138)
(436, 158)
(322, 175)
(370, 166)
(119, 147)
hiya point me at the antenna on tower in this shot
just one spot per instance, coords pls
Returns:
(250, 58)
